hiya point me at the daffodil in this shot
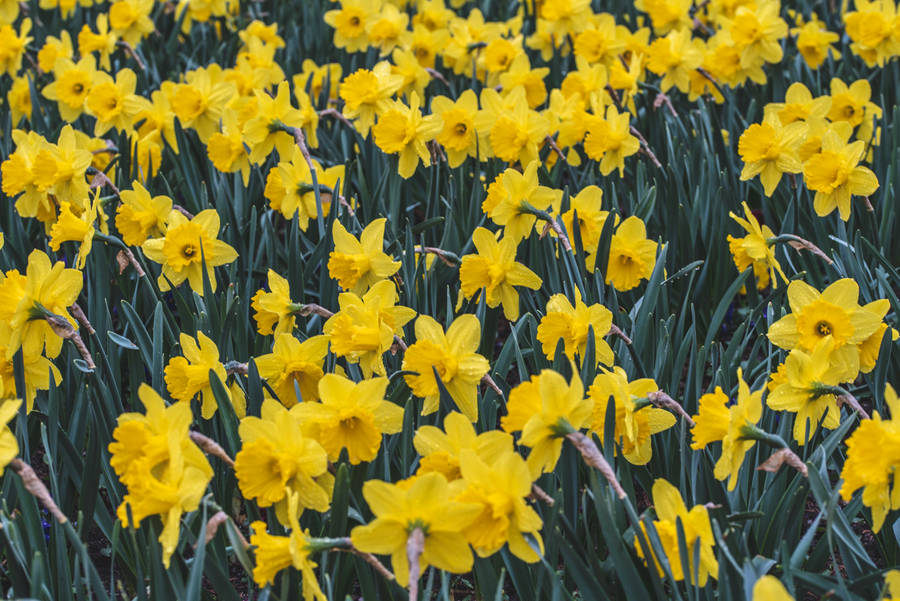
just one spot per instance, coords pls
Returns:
(188, 376)
(402, 130)
(632, 256)
(71, 228)
(513, 198)
(495, 270)
(833, 313)
(814, 41)
(113, 101)
(806, 387)
(367, 92)
(455, 359)
(756, 249)
(186, 247)
(352, 416)
(275, 553)
(572, 325)
(441, 449)
(769, 149)
(500, 488)
(357, 264)
(198, 102)
(140, 216)
(758, 32)
(873, 460)
(675, 57)
(349, 23)
(290, 191)
(836, 175)
(545, 409)
(165, 472)
(9, 446)
(716, 421)
(509, 129)
(274, 311)
(293, 365)
(71, 85)
(277, 459)
(636, 419)
(427, 505)
(45, 287)
(458, 135)
(364, 327)
(670, 509)
(609, 140)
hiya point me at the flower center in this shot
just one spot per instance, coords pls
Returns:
(823, 328)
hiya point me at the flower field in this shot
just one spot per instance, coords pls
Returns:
(449, 300)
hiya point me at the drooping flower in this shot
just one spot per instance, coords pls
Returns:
(513, 197)
(718, 422)
(352, 416)
(670, 509)
(357, 264)
(453, 356)
(546, 408)
(495, 270)
(499, 487)
(872, 461)
(141, 216)
(274, 311)
(45, 287)
(636, 419)
(428, 505)
(756, 249)
(632, 256)
(805, 387)
(293, 365)
(185, 247)
(275, 553)
(165, 472)
(188, 376)
(277, 458)
(364, 327)
(572, 326)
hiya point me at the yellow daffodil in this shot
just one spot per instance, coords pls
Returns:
(670, 509)
(455, 359)
(757, 248)
(364, 327)
(428, 505)
(294, 365)
(277, 459)
(636, 421)
(71, 85)
(274, 311)
(769, 149)
(441, 449)
(609, 141)
(872, 461)
(275, 553)
(357, 264)
(500, 488)
(186, 247)
(458, 135)
(45, 287)
(513, 197)
(546, 408)
(367, 92)
(114, 102)
(402, 130)
(835, 175)
(9, 446)
(632, 256)
(572, 324)
(495, 270)
(675, 57)
(140, 216)
(188, 376)
(352, 416)
(718, 422)
(165, 472)
(833, 313)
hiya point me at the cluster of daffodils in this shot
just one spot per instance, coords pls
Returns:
(812, 135)
(344, 382)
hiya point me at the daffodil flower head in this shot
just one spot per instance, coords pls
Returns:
(357, 264)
